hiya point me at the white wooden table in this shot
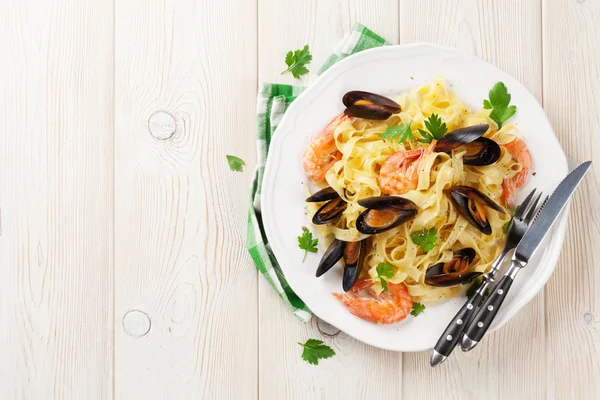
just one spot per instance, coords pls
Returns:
(123, 268)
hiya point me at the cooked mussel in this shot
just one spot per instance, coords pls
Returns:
(471, 203)
(453, 272)
(383, 213)
(480, 150)
(353, 255)
(369, 105)
(331, 210)
(332, 255)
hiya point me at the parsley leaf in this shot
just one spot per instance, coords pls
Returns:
(499, 104)
(314, 350)
(435, 126)
(235, 163)
(296, 62)
(384, 270)
(426, 137)
(401, 132)
(425, 238)
(417, 309)
(306, 242)
(506, 226)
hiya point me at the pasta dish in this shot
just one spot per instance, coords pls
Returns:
(416, 195)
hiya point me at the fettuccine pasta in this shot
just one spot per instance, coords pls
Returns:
(356, 175)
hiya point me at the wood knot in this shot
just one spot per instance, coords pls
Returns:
(162, 125)
(136, 323)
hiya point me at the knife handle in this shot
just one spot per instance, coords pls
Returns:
(488, 311)
(453, 332)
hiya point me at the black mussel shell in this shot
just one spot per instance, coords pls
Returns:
(332, 255)
(460, 137)
(471, 203)
(369, 105)
(328, 193)
(383, 213)
(329, 211)
(453, 272)
(384, 202)
(354, 257)
(371, 111)
(482, 151)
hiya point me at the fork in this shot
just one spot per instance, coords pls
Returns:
(520, 222)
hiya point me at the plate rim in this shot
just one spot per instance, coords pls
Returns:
(557, 234)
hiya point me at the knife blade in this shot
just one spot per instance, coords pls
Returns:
(549, 214)
(481, 322)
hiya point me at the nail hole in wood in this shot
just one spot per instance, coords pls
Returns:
(136, 323)
(162, 125)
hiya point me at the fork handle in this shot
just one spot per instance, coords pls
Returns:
(453, 332)
(481, 322)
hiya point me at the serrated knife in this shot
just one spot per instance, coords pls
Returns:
(480, 323)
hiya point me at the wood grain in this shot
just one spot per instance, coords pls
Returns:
(507, 34)
(180, 212)
(123, 268)
(357, 371)
(572, 101)
(56, 152)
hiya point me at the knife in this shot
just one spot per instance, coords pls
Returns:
(523, 253)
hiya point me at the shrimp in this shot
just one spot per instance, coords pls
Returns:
(519, 152)
(321, 153)
(387, 308)
(400, 171)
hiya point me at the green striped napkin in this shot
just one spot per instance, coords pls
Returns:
(271, 104)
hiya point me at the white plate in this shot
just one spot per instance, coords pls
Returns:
(389, 71)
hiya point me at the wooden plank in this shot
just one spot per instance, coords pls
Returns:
(507, 34)
(186, 291)
(56, 146)
(358, 370)
(571, 40)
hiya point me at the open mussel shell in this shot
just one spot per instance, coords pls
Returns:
(326, 194)
(454, 272)
(354, 257)
(471, 203)
(332, 255)
(383, 213)
(480, 150)
(331, 210)
(369, 105)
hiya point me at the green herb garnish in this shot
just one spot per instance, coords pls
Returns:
(296, 62)
(307, 243)
(235, 163)
(384, 270)
(499, 104)
(400, 132)
(425, 238)
(417, 309)
(314, 350)
(436, 128)
(506, 226)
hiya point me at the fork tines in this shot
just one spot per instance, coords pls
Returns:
(527, 210)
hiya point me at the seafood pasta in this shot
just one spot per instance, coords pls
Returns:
(416, 195)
